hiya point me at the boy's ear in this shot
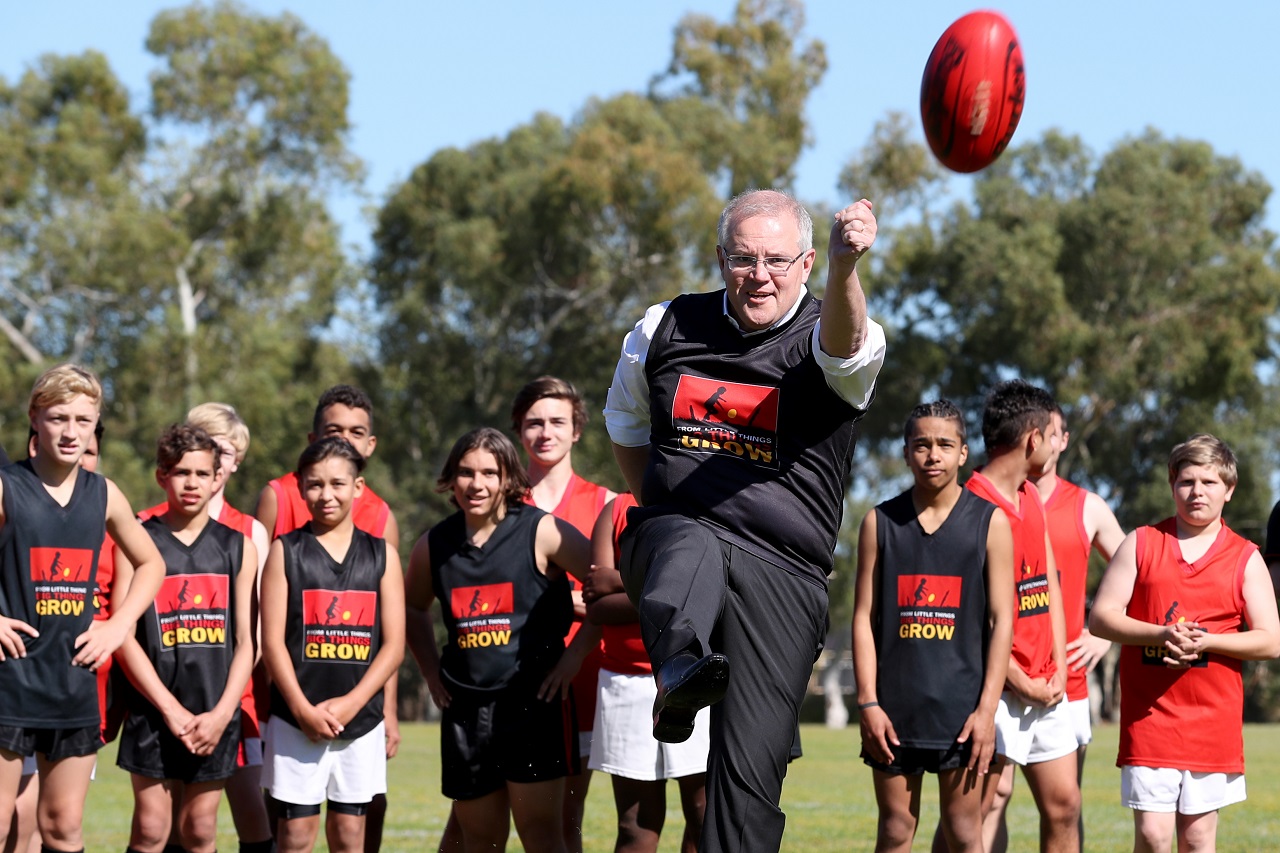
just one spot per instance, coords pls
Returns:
(964, 454)
(161, 478)
(373, 445)
(311, 438)
(359, 487)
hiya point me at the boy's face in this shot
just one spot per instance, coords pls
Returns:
(329, 488)
(1046, 442)
(1199, 494)
(547, 432)
(477, 486)
(935, 452)
(63, 431)
(89, 459)
(352, 424)
(189, 484)
(1056, 438)
(227, 464)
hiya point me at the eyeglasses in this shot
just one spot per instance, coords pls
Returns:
(747, 263)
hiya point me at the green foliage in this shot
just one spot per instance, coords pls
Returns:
(1138, 289)
(536, 253)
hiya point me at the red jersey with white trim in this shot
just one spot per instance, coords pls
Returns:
(580, 505)
(1064, 514)
(1185, 719)
(622, 649)
(369, 513)
(1033, 627)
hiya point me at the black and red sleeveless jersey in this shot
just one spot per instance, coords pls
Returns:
(189, 630)
(333, 627)
(48, 569)
(506, 620)
(930, 618)
(746, 434)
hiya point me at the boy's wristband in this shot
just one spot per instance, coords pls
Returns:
(865, 705)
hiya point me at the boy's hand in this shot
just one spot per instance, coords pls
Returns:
(99, 642)
(980, 728)
(318, 723)
(11, 643)
(600, 582)
(1040, 692)
(556, 684)
(1085, 651)
(391, 725)
(1186, 642)
(877, 734)
(435, 686)
(178, 719)
(203, 733)
(342, 709)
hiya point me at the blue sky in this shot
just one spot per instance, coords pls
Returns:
(427, 75)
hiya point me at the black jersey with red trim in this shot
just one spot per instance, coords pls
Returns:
(48, 568)
(506, 620)
(333, 627)
(188, 632)
(746, 434)
(930, 621)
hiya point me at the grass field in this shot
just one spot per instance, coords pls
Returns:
(828, 801)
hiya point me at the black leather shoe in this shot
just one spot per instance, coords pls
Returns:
(686, 685)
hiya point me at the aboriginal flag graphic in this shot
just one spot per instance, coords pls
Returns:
(324, 608)
(473, 602)
(727, 418)
(60, 580)
(929, 591)
(61, 565)
(192, 610)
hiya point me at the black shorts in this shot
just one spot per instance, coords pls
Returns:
(149, 749)
(56, 744)
(513, 738)
(916, 761)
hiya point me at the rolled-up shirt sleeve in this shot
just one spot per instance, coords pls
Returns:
(853, 378)
(626, 409)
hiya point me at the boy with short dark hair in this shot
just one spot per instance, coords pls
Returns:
(53, 519)
(1189, 599)
(191, 658)
(332, 635)
(1033, 723)
(932, 631)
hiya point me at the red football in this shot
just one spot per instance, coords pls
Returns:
(972, 93)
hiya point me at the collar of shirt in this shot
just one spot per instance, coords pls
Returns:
(734, 322)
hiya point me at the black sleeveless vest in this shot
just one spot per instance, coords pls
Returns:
(506, 620)
(746, 434)
(930, 618)
(48, 569)
(333, 626)
(189, 631)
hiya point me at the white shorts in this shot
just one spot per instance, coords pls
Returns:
(303, 773)
(1081, 720)
(1030, 735)
(1163, 789)
(624, 744)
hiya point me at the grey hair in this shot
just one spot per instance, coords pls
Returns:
(752, 203)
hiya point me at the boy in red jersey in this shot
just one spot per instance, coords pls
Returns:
(191, 657)
(1033, 723)
(1189, 599)
(345, 412)
(54, 517)
(932, 632)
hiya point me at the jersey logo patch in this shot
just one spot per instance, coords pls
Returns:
(1033, 593)
(338, 624)
(192, 610)
(60, 580)
(727, 419)
(927, 606)
(481, 614)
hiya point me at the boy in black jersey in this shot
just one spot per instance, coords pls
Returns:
(932, 629)
(191, 657)
(53, 519)
(498, 566)
(332, 634)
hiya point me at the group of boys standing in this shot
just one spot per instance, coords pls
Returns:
(971, 650)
